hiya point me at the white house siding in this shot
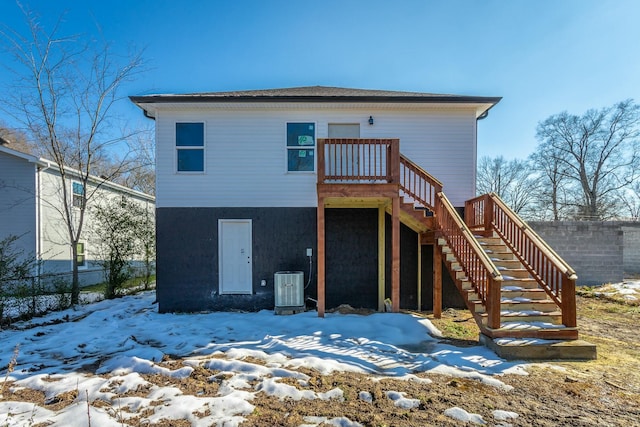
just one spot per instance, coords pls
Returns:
(245, 157)
(17, 202)
(56, 250)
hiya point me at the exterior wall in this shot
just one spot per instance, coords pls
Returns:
(631, 255)
(593, 249)
(17, 202)
(245, 151)
(55, 248)
(187, 261)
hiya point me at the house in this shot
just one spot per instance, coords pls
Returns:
(31, 208)
(361, 190)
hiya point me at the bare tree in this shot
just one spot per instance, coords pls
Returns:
(511, 180)
(553, 198)
(15, 139)
(64, 96)
(598, 152)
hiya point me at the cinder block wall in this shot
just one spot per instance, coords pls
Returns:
(594, 249)
(631, 255)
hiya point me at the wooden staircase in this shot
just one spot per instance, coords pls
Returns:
(513, 283)
(526, 310)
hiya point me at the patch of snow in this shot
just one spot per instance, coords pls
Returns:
(504, 415)
(402, 402)
(366, 396)
(336, 422)
(464, 416)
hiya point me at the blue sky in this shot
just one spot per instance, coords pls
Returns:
(542, 57)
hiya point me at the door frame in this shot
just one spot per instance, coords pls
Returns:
(221, 223)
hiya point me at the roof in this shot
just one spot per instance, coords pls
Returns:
(314, 94)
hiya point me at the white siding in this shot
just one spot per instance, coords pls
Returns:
(17, 201)
(245, 158)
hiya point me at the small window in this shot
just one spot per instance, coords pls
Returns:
(190, 147)
(80, 257)
(78, 195)
(301, 147)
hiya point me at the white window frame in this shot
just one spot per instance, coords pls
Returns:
(202, 147)
(83, 199)
(288, 148)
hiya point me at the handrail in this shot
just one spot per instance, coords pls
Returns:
(551, 272)
(482, 273)
(352, 160)
(535, 238)
(418, 183)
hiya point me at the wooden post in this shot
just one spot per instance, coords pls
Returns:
(493, 303)
(394, 161)
(395, 254)
(320, 168)
(381, 256)
(568, 295)
(321, 257)
(437, 281)
(488, 213)
(419, 274)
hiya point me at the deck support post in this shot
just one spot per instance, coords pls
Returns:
(437, 281)
(419, 290)
(381, 256)
(395, 254)
(321, 257)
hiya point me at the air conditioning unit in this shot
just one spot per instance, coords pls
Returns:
(289, 292)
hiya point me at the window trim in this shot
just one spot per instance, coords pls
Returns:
(288, 148)
(82, 195)
(85, 264)
(202, 147)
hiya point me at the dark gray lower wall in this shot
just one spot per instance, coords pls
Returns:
(600, 252)
(187, 260)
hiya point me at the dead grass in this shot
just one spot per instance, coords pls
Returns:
(603, 392)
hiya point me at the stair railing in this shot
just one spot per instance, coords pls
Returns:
(481, 272)
(418, 184)
(552, 273)
(357, 160)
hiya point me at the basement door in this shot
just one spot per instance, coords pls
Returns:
(234, 256)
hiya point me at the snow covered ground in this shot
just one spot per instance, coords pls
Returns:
(127, 337)
(629, 290)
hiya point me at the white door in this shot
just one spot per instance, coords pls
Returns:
(348, 159)
(234, 255)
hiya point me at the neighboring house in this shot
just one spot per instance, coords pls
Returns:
(251, 183)
(31, 205)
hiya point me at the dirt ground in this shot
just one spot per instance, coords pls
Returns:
(603, 392)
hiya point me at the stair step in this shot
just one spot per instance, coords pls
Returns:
(528, 316)
(543, 306)
(514, 283)
(507, 263)
(513, 273)
(518, 292)
(501, 255)
(489, 240)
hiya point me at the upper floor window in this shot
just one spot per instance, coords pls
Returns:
(190, 147)
(301, 144)
(78, 194)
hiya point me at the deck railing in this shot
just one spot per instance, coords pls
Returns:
(475, 263)
(553, 274)
(418, 184)
(355, 160)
